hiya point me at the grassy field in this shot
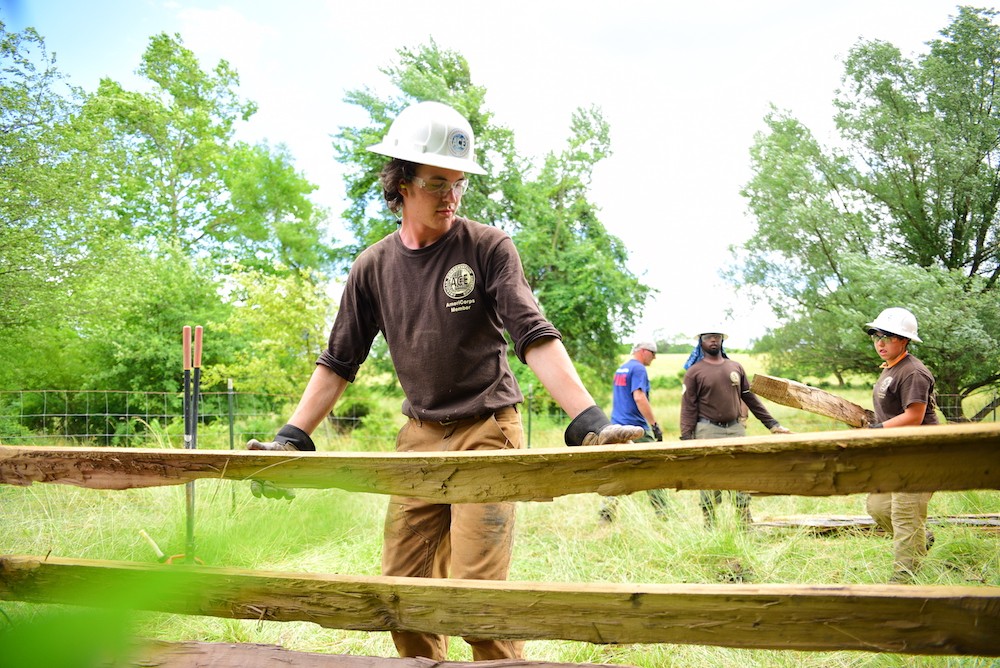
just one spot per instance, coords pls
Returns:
(329, 531)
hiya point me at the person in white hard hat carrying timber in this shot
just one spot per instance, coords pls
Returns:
(903, 396)
(442, 289)
(713, 395)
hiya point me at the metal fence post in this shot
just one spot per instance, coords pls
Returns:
(232, 426)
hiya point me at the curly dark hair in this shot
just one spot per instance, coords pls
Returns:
(395, 173)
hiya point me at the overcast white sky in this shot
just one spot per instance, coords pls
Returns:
(684, 86)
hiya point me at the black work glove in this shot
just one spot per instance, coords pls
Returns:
(288, 438)
(657, 432)
(592, 427)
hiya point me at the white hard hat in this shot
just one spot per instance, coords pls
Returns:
(895, 320)
(431, 133)
(717, 330)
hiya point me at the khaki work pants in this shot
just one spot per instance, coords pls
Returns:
(709, 499)
(466, 540)
(903, 515)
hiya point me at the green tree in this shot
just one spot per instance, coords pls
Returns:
(575, 267)
(181, 177)
(132, 330)
(121, 214)
(49, 232)
(903, 211)
(277, 327)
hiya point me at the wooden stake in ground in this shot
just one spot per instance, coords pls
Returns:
(804, 397)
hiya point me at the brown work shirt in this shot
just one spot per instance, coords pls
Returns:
(443, 310)
(904, 383)
(715, 392)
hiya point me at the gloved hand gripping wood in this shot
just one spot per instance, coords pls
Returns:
(592, 427)
(288, 438)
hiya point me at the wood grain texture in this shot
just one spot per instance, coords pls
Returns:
(812, 399)
(879, 618)
(247, 655)
(814, 464)
(832, 523)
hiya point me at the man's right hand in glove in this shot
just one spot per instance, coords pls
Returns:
(288, 438)
(592, 427)
(657, 432)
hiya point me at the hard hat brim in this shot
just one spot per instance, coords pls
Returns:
(432, 159)
(871, 327)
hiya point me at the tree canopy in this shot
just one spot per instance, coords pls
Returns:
(127, 215)
(901, 211)
(50, 224)
(179, 176)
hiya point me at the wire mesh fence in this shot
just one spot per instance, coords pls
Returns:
(139, 419)
(979, 407)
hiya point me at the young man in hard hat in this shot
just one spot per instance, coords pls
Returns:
(630, 405)
(442, 289)
(903, 396)
(714, 392)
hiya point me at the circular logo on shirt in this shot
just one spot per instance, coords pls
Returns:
(734, 378)
(460, 281)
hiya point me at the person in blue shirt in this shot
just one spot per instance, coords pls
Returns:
(630, 406)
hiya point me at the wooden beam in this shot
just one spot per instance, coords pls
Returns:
(875, 618)
(814, 464)
(246, 655)
(833, 523)
(804, 397)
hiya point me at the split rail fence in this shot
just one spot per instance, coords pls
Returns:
(933, 620)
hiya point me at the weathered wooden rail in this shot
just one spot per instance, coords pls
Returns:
(245, 655)
(876, 618)
(834, 523)
(815, 464)
(933, 619)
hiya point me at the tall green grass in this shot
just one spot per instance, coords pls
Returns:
(330, 531)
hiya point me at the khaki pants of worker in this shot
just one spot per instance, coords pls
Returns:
(708, 499)
(903, 515)
(466, 540)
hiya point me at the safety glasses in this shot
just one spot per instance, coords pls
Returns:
(441, 187)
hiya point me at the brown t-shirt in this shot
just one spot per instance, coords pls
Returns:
(906, 382)
(442, 310)
(716, 392)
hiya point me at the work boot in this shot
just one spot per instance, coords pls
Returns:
(709, 514)
(605, 516)
(930, 540)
